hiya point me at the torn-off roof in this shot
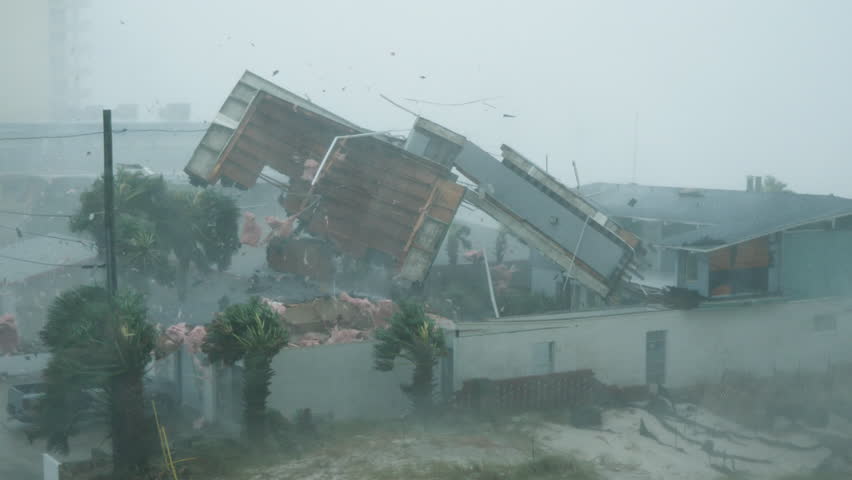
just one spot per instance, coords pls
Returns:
(722, 217)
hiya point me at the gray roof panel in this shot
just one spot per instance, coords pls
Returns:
(724, 217)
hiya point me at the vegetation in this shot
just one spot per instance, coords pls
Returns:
(543, 468)
(251, 332)
(456, 237)
(98, 345)
(155, 224)
(415, 337)
(772, 184)
(501, 244)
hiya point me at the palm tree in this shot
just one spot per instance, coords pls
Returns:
(154, 223)
(413, 336)
(98, 343)
(251, 332)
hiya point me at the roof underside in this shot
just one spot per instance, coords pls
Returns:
(722, 217)
(373, 194)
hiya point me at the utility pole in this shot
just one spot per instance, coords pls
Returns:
(109, 207)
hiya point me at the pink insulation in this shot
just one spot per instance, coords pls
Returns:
(8, 334)
(310, 171)
(251, 230)
(361, 304)
(379, 312)
(277, 307)
(171, 340)
(280, 228)
(501, 275)
(383, 312)
(311, 339)
(346, 335)
(473, 255)
(195, 339)
(442, 322)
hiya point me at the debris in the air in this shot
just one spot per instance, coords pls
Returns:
(275, 72)
(508, 115)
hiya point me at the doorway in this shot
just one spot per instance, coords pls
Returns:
(655, 357)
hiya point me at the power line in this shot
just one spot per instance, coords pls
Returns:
(59, 215)
(34, 234)
(45, 137)
(440, 104)
(50, 264)
(161, 130)
(100, 132)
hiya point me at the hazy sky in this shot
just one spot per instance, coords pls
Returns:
(722, 88)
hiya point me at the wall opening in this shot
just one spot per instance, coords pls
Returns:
(655, 357)
(543, 358)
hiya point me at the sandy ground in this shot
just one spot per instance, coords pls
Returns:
(622, 453)
(617, 448)
(21, 460)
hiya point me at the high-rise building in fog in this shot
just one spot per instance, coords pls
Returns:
(40, 44)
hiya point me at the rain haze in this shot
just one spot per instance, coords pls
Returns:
(394, 239)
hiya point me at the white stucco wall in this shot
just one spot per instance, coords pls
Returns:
(701, 343)
(23, 364)
(337, 379)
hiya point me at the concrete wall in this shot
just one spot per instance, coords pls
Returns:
(816, 263)
(339, 380)
(28, 364)
(701, 343)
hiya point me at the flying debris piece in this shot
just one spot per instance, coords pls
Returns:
(88, 153)
(508, 115)
(122, 22)
(251, 43)
(422, 77)
(343, 89)
(393, 54)
(19, 232)
(275, 72)
(632, 202)
(681, 298)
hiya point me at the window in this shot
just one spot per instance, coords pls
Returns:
(825, 322)
(542, 358)
(691, 267)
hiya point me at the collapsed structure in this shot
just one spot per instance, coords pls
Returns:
(381, 199)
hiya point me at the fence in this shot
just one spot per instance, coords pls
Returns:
(528, 393)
